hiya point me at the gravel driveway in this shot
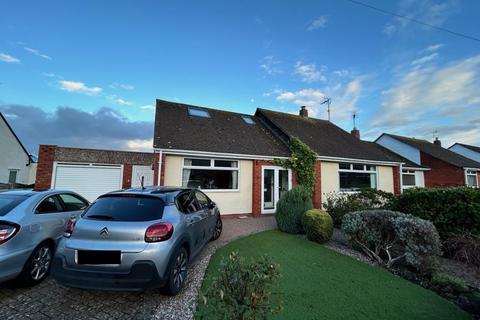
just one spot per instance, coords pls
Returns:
(51, 301)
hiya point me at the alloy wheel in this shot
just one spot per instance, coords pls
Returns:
(180, 269)
(41, 263)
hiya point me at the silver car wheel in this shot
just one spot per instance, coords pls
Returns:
(180, 270)
(41, 263)
(218, 229)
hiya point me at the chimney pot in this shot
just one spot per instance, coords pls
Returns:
(356, 133)
(303, 112)
(437, 142)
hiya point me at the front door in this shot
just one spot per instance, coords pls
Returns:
(275, 182)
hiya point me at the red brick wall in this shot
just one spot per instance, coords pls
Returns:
(317, 192)
(46, 156)
(127, 176)
(396, 180)
(257, 186)
(442, 174)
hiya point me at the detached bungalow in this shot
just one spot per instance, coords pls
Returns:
(230, 156)
(446, 168)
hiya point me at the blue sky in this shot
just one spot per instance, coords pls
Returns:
(87, 73)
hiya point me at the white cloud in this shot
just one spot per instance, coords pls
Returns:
(434, 47)
(320, 22)
(425, 59)
(37, 53)
(270, 65)
(308, 72)
(140, 145)
(427, 11)
(124, 86)
(123, 102)
(80, 87)
(342, 73)
(428, 96)
(147, 107)
(8, 58)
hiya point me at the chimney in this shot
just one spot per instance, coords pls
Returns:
(303, 112)
(356, 133)
(437, 142)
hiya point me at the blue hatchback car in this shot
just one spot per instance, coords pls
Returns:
(31, 223)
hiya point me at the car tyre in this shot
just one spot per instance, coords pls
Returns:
(37, 267)
(217, 231)
(177, 272)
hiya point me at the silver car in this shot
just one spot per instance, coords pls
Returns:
(137, 238)
(31, 223)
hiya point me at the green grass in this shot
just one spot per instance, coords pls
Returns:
(318, 283)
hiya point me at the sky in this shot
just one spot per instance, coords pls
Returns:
(87, 73)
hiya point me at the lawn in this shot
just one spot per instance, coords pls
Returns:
(318, 283)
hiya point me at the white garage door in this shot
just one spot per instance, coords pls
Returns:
(90, 181)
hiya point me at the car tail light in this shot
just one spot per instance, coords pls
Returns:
(69, 229)
(7, 231)
(159, 232)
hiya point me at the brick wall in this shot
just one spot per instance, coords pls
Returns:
(442, 174)
(127, 176)
(46, 156)
(396, 180)
(257, 186)
(317, 192)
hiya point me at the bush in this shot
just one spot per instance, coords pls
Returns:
(243, 290)
(318, 225)
(450, 209)
(338, 204)
(393, 238)
(449, 284)
(290, 209)
(464, 247)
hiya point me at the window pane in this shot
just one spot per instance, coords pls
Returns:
(8, 202)
(198, 113)
(408, 179)
(226, 163)
(197, 162)
(269, 189)
(49, 205)
(357, 180)
(248, 120)
(344, 166)
(126, 208)
(210, 179)
(471, 180)
(202, 199)
(73, 203)
(371, 168)
(12, 176)
(283, 183)
(358, 167)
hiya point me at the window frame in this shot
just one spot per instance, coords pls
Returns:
(351, 170)
(474, 173)
(179, 207)
(16, 175)
(409, 173)
(213, 167)
(54, 196)
(64, 205)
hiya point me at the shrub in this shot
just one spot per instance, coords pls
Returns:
(338, 204)
(464, 247)
(393, 238)
(290, 209)
(243, 290)
(450, 209)
(318, 225)
(449, 284)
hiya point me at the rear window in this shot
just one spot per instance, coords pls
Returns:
(126, 208)
(8, 202)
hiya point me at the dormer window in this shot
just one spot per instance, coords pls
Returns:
(198, 113)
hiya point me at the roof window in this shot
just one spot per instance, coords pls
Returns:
(248, 120)
(198, 113)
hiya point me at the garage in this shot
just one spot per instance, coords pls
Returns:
(90, 180)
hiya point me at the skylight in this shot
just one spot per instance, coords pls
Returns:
(198, 113)
(248, 120)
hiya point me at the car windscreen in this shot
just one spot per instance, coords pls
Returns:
(8, 202)
(126, 208)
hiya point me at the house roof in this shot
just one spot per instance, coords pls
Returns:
(223, 132)
(16, 137)
(437, 151)
(327, 139)
(473, 148)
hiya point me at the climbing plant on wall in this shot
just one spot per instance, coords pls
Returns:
(302, 162)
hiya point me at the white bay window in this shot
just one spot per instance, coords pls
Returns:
(210, 174)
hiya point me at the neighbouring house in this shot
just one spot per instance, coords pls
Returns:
(92, 172)
(468, 151)
(17, 165)
(446, 168)
(230, 156)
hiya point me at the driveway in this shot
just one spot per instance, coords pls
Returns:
(51, 301)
